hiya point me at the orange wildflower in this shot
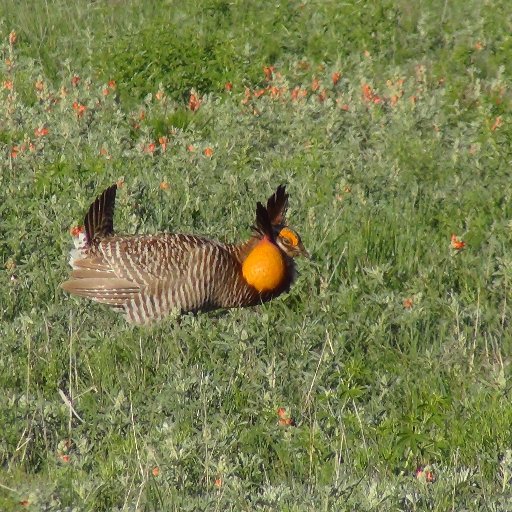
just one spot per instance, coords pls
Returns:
(191, 148)
(335, 77)
(284, 420)
(41, 132)
(457, 243)
(322, 95)
(79, 108)
(150, 148)
(75, 80)
(408, 303)
(112, 84)
(142, 115)
(424, 473)
(155, 471)
(218, 483)
(164, 185)
(14, 151)
(298, 93)
(24, 503)
(7, 84)
(163, 143)
(369, 95)
(228, 86)
(64, 457)
(106, 91)
(160, 95)
(367, 92)
(259, 92)
(208, 152)
(269, 71)
(479, 46)
(13, 38)
(194, 102)
(275, 91)
(315, 84)
(497, 123)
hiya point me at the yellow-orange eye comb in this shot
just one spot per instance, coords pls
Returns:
(289, 235)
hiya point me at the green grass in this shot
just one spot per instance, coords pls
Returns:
(378, 185)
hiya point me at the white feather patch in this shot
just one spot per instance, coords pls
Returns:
(78, 251)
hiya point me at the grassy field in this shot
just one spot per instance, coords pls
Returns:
(391, 126)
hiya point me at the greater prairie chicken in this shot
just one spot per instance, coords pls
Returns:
(148, 276)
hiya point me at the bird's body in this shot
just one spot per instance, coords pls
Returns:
(148, 276)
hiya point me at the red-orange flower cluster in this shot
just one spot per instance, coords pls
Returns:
(15, 150)
(498, 122)
(298, 93)
(457, 243)
(284, 420)
(163, 143)
(369, 95)
(269, 72)
(79, 108)
(425, 473)
(194, 102)
(41, 132)
(111, 86)
(408, 303)
(150, 148)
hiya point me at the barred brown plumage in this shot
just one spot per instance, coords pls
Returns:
(148, 276)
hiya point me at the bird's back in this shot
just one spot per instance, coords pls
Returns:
(148, 276)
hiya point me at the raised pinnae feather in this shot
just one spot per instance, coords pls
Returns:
(99, 221)
(263, 224)
(277, 205)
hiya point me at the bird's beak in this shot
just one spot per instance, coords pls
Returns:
(303, 251)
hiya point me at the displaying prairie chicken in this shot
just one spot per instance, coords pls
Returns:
(148, 276)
